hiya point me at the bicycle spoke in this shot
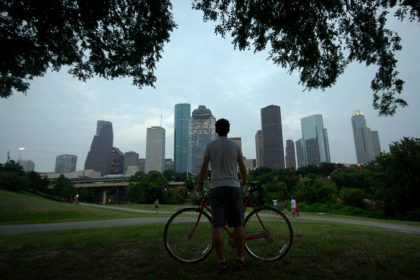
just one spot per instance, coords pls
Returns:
(269, 234)
(185, 239)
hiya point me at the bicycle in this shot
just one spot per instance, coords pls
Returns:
(268, 232)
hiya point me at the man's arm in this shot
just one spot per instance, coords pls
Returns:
(242, 170)
(203, 171)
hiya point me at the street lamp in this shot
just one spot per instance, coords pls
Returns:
(20, 153)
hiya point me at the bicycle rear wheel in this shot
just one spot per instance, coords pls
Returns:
(269, 234)
(186, 239)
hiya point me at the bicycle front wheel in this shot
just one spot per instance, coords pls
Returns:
(269, 234)
(187, 237)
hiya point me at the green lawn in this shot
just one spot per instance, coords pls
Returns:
(21, 208)
(319, 251)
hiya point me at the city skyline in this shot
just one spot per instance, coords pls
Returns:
(59, 113)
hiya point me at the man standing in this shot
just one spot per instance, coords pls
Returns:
(225, 195)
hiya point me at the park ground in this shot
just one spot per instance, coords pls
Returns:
(322, 249)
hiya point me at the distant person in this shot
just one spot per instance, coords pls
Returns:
(285, 205)
(226, 201)
(293, 206)
(156, 205)
(297, 209)
(275, 204)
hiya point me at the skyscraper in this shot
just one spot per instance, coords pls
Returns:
(99, 157)
(366, 142)
(182, 137)
(376, 144)
(130, 159)
(27, 165)
(65, 163)
(237, 140)
(202, 131)
(259, 148)
(155, 149)
(314, 140)
(299, 153)
(272, 134)
(117, 164)
(290, 154)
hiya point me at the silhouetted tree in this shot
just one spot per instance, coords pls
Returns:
(401, 178)
(114, 38)
(319, 38)
(126, 37)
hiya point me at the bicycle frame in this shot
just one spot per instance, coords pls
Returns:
(247, 201)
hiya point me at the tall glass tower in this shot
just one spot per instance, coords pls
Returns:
(182, 137)
(202, 131)
(155, 149)
(99, 157)
(272, 134)
(299, 153)
(65, 163)
(290, 154)
(366, 141)
(314, 140)
(259, 148)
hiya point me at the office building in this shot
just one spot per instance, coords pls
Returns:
(27, 165)
(272, 134)
(290, 154)
(376, 144)
(238, 140)
(130, 159)
(117, 164)
(314, 140)
(99, 157)
(259, 148)
(202, 131)
(155, 149)
(169, 164)
(182, 137)
(65, 163)
(299, 154)
(366, 141)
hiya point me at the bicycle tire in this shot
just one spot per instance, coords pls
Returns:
(277, 239)
(178, 243)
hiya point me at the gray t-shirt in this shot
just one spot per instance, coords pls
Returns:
(223, 154)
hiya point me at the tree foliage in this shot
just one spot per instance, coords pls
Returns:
(12, 177)
(64, 188)
(145, 188)
(319, 38)
(114, 38)
(400, 188)
(119, 38)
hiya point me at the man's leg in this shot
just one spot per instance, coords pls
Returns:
(240, 241)
(218, 242)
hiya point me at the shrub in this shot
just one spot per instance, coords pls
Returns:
(352, 196)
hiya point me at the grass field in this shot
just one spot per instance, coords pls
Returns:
(321, 250)
(18, 208)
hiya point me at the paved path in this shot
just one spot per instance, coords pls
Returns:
(26, 228)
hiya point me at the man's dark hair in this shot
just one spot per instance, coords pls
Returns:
(222, 127)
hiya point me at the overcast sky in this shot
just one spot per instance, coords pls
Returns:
(59, 113)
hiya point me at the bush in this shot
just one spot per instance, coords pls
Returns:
(172, 197)
(315, 190)
(352, 196)
(13, 181)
